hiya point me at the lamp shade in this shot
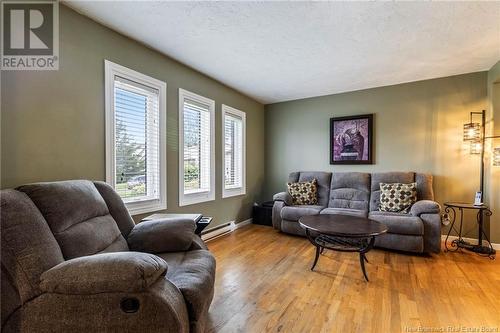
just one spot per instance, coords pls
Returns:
(472, 132)
(496, 156)
(475, 147)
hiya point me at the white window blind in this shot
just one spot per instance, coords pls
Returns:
(234, 151)
(136, 151)
(136, 141)
(197, 151)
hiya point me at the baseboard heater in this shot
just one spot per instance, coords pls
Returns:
(220, 230)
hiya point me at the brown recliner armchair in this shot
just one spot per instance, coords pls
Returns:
(74, 261)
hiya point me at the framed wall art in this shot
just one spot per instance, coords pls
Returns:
(351, 139)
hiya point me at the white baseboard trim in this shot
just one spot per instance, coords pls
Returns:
(496, 246)
(222, 230)
(243, 223)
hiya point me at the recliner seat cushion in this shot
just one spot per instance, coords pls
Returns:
(403, 224)
(294, 213)
(77, 216)
(345, 211)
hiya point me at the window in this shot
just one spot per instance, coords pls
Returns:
(233, 147)
(135, 138)
(196, 148)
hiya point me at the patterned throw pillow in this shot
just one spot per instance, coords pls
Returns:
(304, 193)
(397, 197)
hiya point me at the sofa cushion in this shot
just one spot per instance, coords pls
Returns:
(193, 273)
(345, 211)
(386, 177)
(396, 223)
(350, 190)
(78, 217)
(397, 197)
(294, 213)
(303, 193)
(323, 182)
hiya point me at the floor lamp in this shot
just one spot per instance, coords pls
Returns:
(475, 133)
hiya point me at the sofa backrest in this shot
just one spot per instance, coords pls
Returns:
(28, 249)
(116, 208)
(323, 179)
(425, 189)
(78, 216)
(350, 190)
(424, 185)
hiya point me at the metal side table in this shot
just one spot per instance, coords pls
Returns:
(459, 243)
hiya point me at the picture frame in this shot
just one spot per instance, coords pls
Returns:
(351, 139)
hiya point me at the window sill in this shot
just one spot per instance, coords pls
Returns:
(195, 198)
(143, 207)
(228, 193)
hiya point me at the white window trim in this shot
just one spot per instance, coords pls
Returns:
(201, 196)
(112, 69)
(232, 192)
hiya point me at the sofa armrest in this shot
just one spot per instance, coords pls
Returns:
(284, 197)
(432, 232)
(104, 273)
(164, 235)
(276, 214)
(425, 207)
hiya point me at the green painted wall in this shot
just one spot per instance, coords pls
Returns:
(494, 129)
(53, 121)
(417, 126)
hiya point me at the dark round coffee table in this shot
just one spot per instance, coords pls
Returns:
(342, 233)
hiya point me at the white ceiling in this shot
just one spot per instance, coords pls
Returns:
(278, 51)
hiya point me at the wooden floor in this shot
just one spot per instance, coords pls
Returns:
(264, 284)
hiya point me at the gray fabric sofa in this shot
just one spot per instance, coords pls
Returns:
(358, 194)
(74, 261)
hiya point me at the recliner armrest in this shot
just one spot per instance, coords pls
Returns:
(164, 235)
(425, 207)
(197, 244)
(283, 196)
(104, 273)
